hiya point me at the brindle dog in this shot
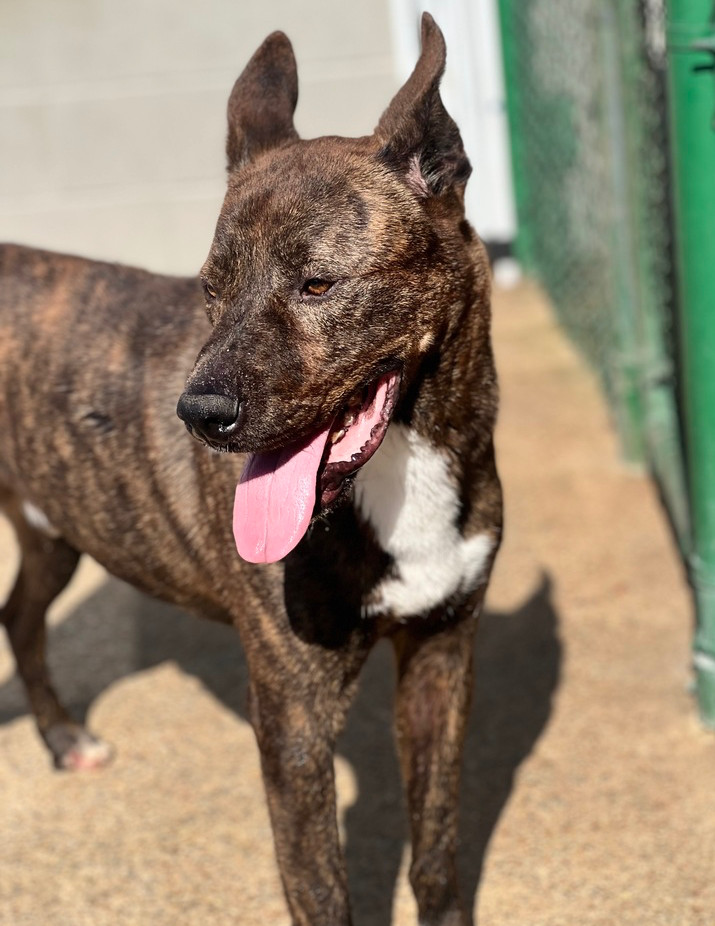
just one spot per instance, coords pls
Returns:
(348, 354)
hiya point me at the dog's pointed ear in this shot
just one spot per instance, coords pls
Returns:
(262, 102)
(418, 136)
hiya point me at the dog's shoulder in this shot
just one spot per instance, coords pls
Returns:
(410, 499)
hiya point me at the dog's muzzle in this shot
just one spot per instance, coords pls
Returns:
(212, 418)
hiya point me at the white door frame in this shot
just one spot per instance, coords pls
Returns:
(473, 92)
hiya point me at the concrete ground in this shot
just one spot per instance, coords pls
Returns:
(589, 784)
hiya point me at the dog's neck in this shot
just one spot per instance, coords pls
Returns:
(452, 400)
(413, 492)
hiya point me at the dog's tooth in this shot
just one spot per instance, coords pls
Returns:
(349, 419)
(337, 435)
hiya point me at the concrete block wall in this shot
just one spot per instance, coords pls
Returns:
(112, 114)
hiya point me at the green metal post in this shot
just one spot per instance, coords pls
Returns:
(691, 50)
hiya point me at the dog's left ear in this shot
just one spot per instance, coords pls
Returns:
(262, 102)
(419, 137)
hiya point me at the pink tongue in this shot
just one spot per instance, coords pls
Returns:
(276, 495)
(275, 500)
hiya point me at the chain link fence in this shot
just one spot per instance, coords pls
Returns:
(588, 121)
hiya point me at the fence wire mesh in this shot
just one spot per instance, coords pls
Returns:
(588, 119)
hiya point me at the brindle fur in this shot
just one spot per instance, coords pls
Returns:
(93, 357)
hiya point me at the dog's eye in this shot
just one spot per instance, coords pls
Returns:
(209, 292)
(316, 287)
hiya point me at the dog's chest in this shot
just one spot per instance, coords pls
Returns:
(406, 494)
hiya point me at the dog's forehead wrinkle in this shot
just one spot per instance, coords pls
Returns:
(320, 175)
(326, 214)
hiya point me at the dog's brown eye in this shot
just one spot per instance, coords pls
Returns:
(209, 292)
(316, 287)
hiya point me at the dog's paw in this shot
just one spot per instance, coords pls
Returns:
(75, 750)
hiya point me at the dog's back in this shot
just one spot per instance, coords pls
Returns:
(92, 358)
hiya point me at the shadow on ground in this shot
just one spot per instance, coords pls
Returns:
(117, 632)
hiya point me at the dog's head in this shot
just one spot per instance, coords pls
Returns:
(337, 266)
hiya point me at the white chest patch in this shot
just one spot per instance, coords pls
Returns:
(406, 494)
(39, 520)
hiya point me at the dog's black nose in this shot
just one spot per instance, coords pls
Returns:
(210, 417)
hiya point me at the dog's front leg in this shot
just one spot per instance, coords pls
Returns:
(435, 674)
(297, 709)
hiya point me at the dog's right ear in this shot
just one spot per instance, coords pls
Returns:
(262, 102)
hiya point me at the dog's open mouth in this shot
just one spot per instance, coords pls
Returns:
(276, 496)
